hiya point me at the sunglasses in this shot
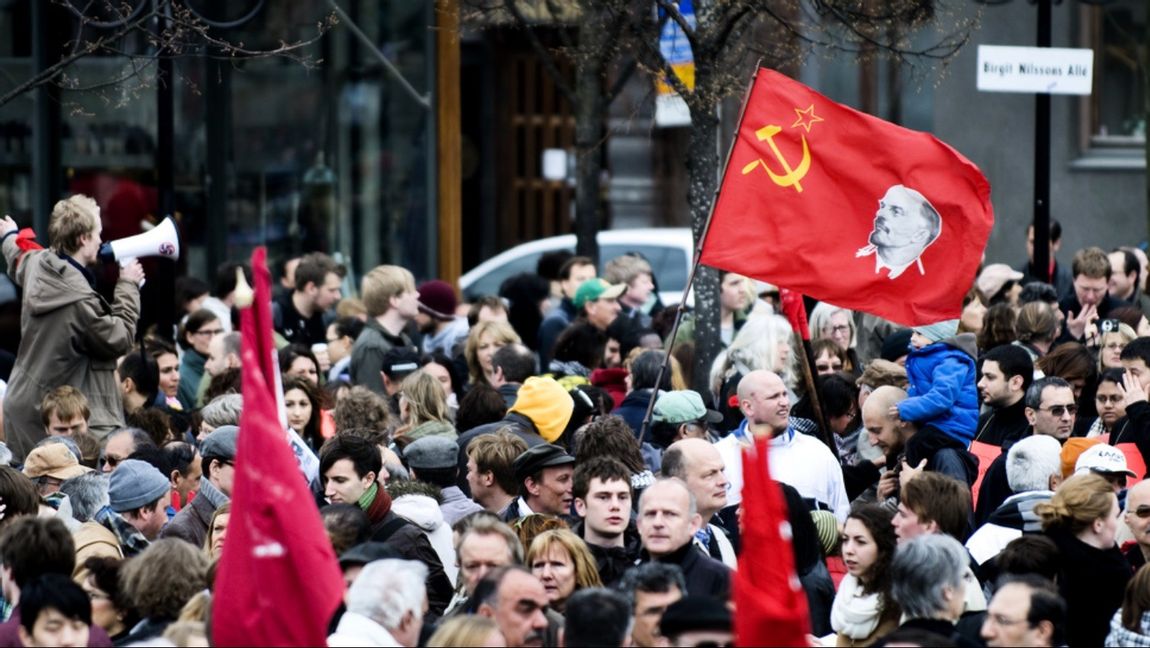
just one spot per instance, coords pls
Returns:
(1142, 511)
(1059, 410)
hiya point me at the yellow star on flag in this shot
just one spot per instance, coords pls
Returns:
(807, 117)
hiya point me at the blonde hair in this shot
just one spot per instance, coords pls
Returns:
(383, 283)
(72, 219)
(502, 332)
(425, 400)
(463, 631)
(625, 269)
(1077, 503)
(582, 562)
(66, 402)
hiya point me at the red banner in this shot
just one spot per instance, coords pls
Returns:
(847, 208)
(771, 608)
(279, 583)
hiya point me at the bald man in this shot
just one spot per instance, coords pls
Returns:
(797, 459)
(1138, 520)
(890, 434)
(699, 464)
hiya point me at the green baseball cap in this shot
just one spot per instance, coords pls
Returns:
(596, 288)
(683, 406)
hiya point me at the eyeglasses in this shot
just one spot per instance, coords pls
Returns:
(841, 328)
(112, 460)
(1113, 398)
(209, 332)
(829, 367)
(1059, 410)
(1142, 511)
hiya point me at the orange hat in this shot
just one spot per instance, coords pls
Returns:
(547, 404)
(1071, 449)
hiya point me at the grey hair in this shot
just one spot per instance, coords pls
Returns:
(1031, 461)
(232, 342)
(386, 590)
(5, 454)
(67, 442)
(754, 347)
(1034, 394)
(223, 410)
(88, 493)
(921, 569)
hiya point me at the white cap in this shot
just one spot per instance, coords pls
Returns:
(1102, 458)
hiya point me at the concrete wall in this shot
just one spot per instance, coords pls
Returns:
(1097, 206)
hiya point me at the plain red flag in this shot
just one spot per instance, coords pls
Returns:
(770, 606)
(279, 582)
(847, 208)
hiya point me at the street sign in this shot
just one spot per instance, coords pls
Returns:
(1043, 70)
(670, 109)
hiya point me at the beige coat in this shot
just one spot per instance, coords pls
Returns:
(93, 540)
(70, 336)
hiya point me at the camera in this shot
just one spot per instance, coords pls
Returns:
(1108, 325)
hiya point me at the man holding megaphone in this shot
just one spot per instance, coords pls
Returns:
(70, 335)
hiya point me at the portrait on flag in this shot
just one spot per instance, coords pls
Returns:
(797, 207)
(904, 226)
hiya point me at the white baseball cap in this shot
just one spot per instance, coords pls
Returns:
(1102, 458)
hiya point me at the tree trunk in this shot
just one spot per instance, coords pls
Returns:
(702, 179)
(590, 117)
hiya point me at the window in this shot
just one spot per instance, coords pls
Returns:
(1115, 115)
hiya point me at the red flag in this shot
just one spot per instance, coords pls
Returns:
(847, 208)
(279, 582)
(795, 312)
(770, 606)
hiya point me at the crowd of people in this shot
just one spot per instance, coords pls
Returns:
(487, 473)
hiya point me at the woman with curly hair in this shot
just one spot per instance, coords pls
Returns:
(159, 581)
(863, 609)
(1082, 519)
(610, 436)
(561, 561)
(482, 343)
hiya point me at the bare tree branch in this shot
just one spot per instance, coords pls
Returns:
(545, 56)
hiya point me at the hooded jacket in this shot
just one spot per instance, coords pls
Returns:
(70, 336)
(423, 511)
(1009, 521)
(942, 389)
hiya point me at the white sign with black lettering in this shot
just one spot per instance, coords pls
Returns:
(1046, 70)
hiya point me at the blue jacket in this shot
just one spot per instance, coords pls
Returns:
(942, 390)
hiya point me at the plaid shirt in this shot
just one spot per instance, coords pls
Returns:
(131, 540)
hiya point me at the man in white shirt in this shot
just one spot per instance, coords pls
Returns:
(797, 459)
(384, 606)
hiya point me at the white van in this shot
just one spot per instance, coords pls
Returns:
(669, 250)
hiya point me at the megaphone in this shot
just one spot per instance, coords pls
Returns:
(162, 240)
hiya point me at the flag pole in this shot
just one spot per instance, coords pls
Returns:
(669, 344)
(813, 391)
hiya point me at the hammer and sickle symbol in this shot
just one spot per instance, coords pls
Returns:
(791, 177)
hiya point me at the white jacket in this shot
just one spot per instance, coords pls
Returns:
(357, 630)
(424, 512)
